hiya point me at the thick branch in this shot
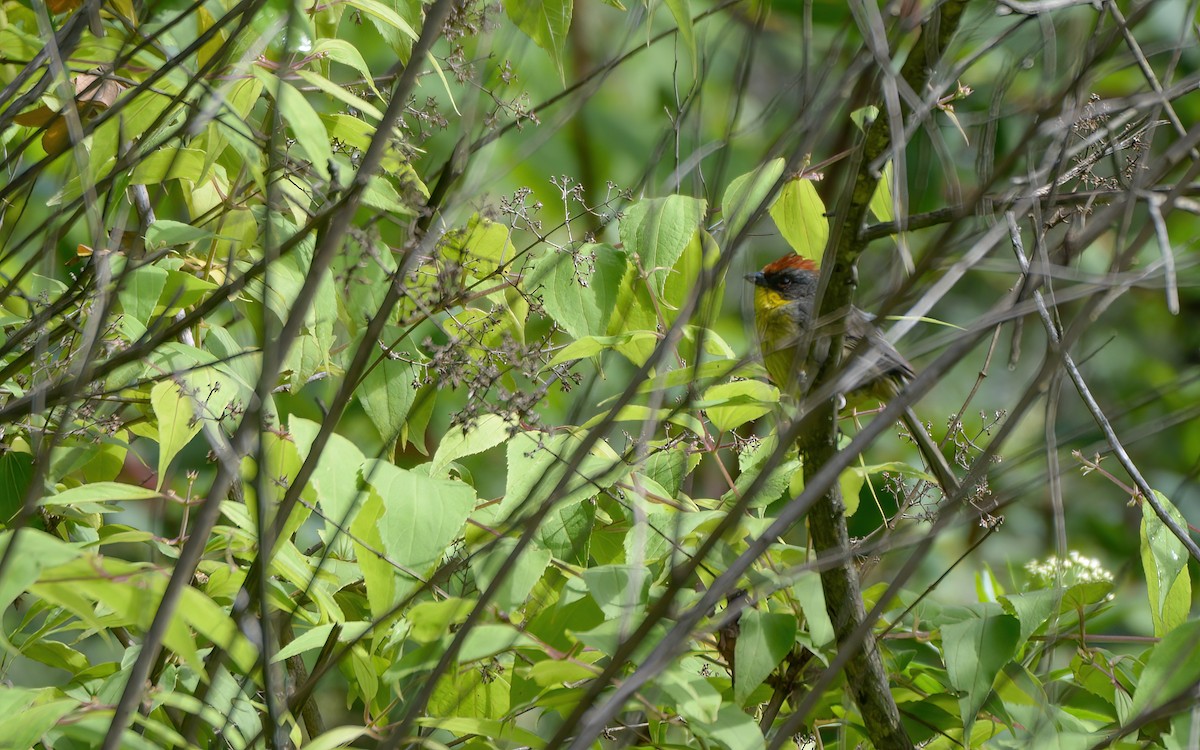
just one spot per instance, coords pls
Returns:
(867, 677)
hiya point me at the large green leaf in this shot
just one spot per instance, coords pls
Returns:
(1172, 668)
(764, 638)
(386, 394)
(178, 422)
(485, 433)
(140, 292)
(519, 581)
(800, 215)
(734, 729)
(620, 590)
(304, 123)
(334, 481)
(537, 463)
(482, 247)
(34, 552)
(658, 230)
(730, 405)
(747, 192)
(546, 22)
(976, 649)
(1164, 561)
(421, 517)
(580, 289)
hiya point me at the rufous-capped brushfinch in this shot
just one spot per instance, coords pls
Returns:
(784, 296)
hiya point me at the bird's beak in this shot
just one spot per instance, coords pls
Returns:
(756, 278)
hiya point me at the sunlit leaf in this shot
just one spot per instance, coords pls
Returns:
(799, 213)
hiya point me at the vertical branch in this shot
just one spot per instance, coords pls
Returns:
(866, 675)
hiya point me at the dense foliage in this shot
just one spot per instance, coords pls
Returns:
(380, 373)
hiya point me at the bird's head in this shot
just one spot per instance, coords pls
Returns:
(784, 281)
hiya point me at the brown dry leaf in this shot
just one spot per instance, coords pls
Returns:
(96, 93)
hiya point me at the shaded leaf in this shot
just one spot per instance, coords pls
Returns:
(546, 22)
(764, 638)
(976, 649)
(747, 192)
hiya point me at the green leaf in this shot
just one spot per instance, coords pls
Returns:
(385, 14)
(658, 230)
(341, 93)
(141, 290)
(552, 673)
(482, 247)
(379, 574)
(474, 693)
(741, 402)
(764, 638)
(590, 346)
(505, 731)
(54, 654)
(580, 289)
(335, 738)
(379, 193)
(487, 432)
(178, 423)
(864, 116)
(1172, 668)
(976, 649)
(693, 696)
(515, 588)
(315, 638)
(16, 472)
(546, 22)
(99, 492)
(305, 124)
(167, 233)
(811, 596)
(34, 552)
(38, 713)
(1031, 608)
(1164, 560)
(567, 532)
(538, 462)
(345, 53)
(734, 729)
(386, 394)
(488, 639)
(747, 192)
(280, 464)
(799, 213)
(639, 413)
(882, 202)
(432, 620)
(683, 18)
(665, 530)
(183, 290)
(753, 462)
(620, 590)
(422, 516)
(169, 164)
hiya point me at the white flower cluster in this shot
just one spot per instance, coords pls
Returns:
(1075, 569)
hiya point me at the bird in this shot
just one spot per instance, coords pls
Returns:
(784, 297)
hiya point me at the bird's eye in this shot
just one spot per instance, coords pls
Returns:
(785, 282)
